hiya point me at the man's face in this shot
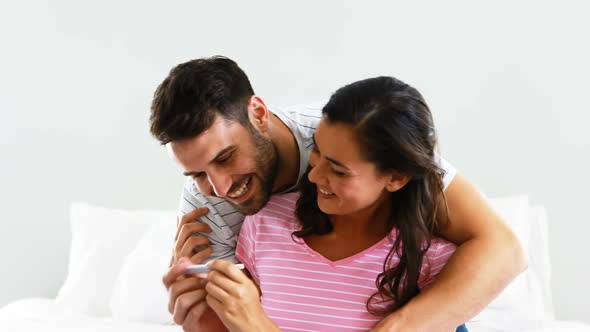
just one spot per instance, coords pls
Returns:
(230, 161)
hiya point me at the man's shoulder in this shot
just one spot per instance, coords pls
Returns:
(222, 214)
(302, 117)
(191, 195)
(311, 108)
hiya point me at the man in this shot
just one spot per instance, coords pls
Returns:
(237, 153)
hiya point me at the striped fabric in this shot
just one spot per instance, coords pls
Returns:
(302, 290)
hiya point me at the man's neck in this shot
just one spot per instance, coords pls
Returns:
(288, 154)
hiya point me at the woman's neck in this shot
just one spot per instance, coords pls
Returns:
(370, 222)
(353, 233)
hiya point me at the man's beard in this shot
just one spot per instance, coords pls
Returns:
(267, 163)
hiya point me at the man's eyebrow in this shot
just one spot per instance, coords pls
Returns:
(332, 160)
(217, 156)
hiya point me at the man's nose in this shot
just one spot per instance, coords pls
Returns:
(220, 183)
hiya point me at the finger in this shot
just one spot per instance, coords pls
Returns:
(191, 229)
(185, 302)
(213, 289)
(193, 242)
(175, 271)
(195, 226)
(229, 286)
(190, 217)
(202, 255)
(172, 259)
(214, 304)
(180, 287)
(229, 269)
(194, 315)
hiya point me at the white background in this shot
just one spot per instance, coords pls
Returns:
(506, 81)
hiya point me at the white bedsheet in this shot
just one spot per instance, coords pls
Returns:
(549, 326)
(44, 315)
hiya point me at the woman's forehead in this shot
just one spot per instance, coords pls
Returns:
(338, 140)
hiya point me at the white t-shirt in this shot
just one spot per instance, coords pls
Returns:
(225, 221)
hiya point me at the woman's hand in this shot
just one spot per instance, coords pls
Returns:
(236, 299)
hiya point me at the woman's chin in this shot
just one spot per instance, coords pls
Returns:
(327, 209)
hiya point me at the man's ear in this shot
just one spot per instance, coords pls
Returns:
(258, 113)
(396, 181)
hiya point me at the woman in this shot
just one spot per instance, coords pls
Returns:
(359, 240)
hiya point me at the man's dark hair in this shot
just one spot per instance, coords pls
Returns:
(186, 103)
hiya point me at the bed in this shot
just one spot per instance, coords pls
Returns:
(114, 277)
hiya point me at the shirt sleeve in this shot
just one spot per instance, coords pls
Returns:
(450, 172)
(435, 259)
(222, 239)
(246, 248)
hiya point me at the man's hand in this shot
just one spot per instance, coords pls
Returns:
(187, 294)
(188, 241)
(187, 300)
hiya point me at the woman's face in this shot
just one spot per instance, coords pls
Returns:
(346, 183)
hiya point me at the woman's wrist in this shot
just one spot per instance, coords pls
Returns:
(264, 324)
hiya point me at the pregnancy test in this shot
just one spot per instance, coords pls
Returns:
(203, 268)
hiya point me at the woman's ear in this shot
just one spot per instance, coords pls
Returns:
(258, 114)
(396, 181)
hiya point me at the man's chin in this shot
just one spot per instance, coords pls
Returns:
(251, 206)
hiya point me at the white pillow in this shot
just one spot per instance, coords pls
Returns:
(539, 259)
(526, 301)
(139, 294)
(101, 238)
(514, 211)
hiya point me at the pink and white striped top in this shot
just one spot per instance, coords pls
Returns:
(304, 291)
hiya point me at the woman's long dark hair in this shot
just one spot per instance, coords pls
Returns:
(396, 132)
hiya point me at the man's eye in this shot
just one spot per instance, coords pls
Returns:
(338, 173)
(198, 175)
(224, 159)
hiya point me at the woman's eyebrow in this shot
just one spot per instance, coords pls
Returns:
(332, 160)
(336, 162)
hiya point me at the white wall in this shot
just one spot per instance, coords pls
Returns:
(505, 80)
